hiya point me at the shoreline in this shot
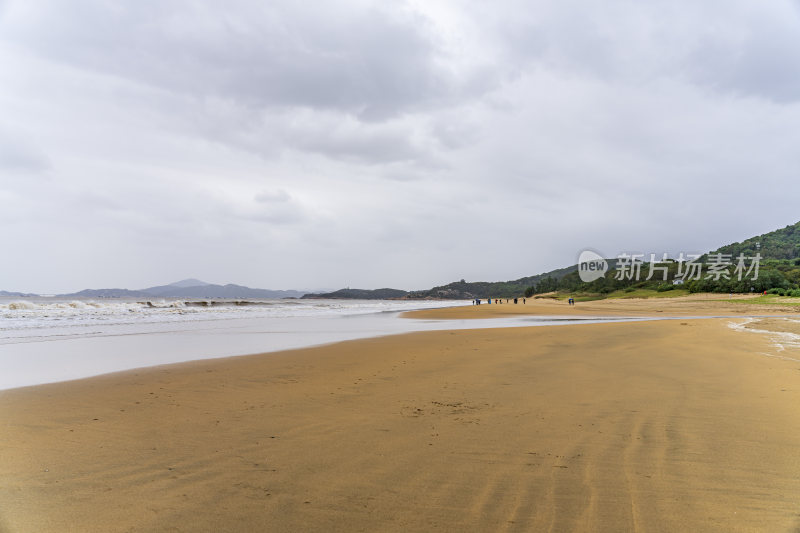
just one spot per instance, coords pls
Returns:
(79, 356)
(402, 323)
(62, 348)
(653, 425)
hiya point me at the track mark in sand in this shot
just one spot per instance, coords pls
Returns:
(588, 517)
(550, 515)
(489, 498)
(459, 411)
(644, 455)
(571, 494)
(629, 451)
(526, 506)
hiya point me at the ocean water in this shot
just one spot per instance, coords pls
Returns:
(45, 340)
(36, 317)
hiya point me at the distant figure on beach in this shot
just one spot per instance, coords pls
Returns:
(515, 301)
(523, 301)
(571, 301)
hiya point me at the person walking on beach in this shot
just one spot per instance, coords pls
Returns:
(571, 301)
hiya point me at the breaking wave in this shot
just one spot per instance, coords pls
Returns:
(42, 313)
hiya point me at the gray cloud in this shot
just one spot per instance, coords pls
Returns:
(269, 197)
(371, 62)
(19, 156)
(733, 47)
(273, 145)
(349, 139)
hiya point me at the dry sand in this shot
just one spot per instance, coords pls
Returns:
(677, 425)
(692, 305)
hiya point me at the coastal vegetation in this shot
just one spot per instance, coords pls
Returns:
(360, 294)
(778, 272)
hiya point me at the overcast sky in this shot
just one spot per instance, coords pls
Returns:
(289, 144)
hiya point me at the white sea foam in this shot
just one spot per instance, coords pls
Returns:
(51, 340)
(20, 305)
(49, 317)
(784, 342)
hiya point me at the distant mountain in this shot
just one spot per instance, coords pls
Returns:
(779, 249)
(360, 294)
(218, 291)
(190, 282)
(16, 294)
(105, 293)
(161, 290)
(187, 288)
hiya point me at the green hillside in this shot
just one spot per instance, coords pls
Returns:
(779, 244)
(359, 294)
(489, 289)
(778, 271)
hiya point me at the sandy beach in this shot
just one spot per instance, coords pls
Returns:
(691, 305)
(679, 425)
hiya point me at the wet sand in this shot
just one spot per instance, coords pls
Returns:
(679, 425)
